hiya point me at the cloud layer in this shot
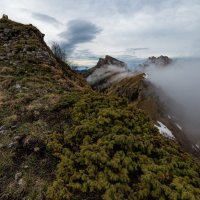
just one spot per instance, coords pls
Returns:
(77, 32)
(180, 81)
(164, 27)
(45, 18)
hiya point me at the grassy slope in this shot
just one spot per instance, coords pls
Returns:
(29, 94)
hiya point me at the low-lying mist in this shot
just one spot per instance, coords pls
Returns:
(178, 86)
(180, 81)
(108, 74)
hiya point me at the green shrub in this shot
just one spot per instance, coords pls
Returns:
(113, 151)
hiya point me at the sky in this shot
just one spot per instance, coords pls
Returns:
(129, 30)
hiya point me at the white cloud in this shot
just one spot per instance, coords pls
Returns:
(165, 27)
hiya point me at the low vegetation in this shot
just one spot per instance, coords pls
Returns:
(112, 151)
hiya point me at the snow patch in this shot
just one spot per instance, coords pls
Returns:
(164, 131)
(145, 75)
(196, 147)
(179, 127)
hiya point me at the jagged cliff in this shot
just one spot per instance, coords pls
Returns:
(161, 61)
(105, 72)
(21, 43)
(103, 62)
(60, 140)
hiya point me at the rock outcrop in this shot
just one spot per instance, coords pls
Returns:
(103, 62)
(161, 61)
(106, 71)
(19, 43)
(108, 60)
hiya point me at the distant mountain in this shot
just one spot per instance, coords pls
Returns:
(105, 72)
(103, 62)
(161, 61)
(158, 61)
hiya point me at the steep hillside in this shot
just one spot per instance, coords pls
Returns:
(60, 140)
(32, 84)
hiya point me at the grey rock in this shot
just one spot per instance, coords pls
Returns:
(2, 57)
(22, 183)
(17, 86)
(5, 17)
(17, 138)
(13, 145)
(18, 176)
(7, 30)
(9, 54)
(29, 53)
(3, 131)
(36, 149)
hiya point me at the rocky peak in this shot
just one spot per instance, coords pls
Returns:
(158, 61)
(108, 60)
(161, 61)
(106, 71)
(22, 43)
(5, 17)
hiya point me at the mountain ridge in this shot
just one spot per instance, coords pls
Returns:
(60, 140)
(136, 87)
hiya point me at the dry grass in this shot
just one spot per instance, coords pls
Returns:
(2, 96)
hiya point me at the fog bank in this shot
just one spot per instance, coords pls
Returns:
(108, 74)
(181, 82)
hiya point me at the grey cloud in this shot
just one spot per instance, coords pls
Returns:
(77, 32)
(180, 82)
(131, 61)
(166, 27)
(138, 49)
(45, 18)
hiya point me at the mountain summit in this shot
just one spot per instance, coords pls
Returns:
(21, 43)
(108, 60)
(160, 61)
(105, 72)
(105, 62)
